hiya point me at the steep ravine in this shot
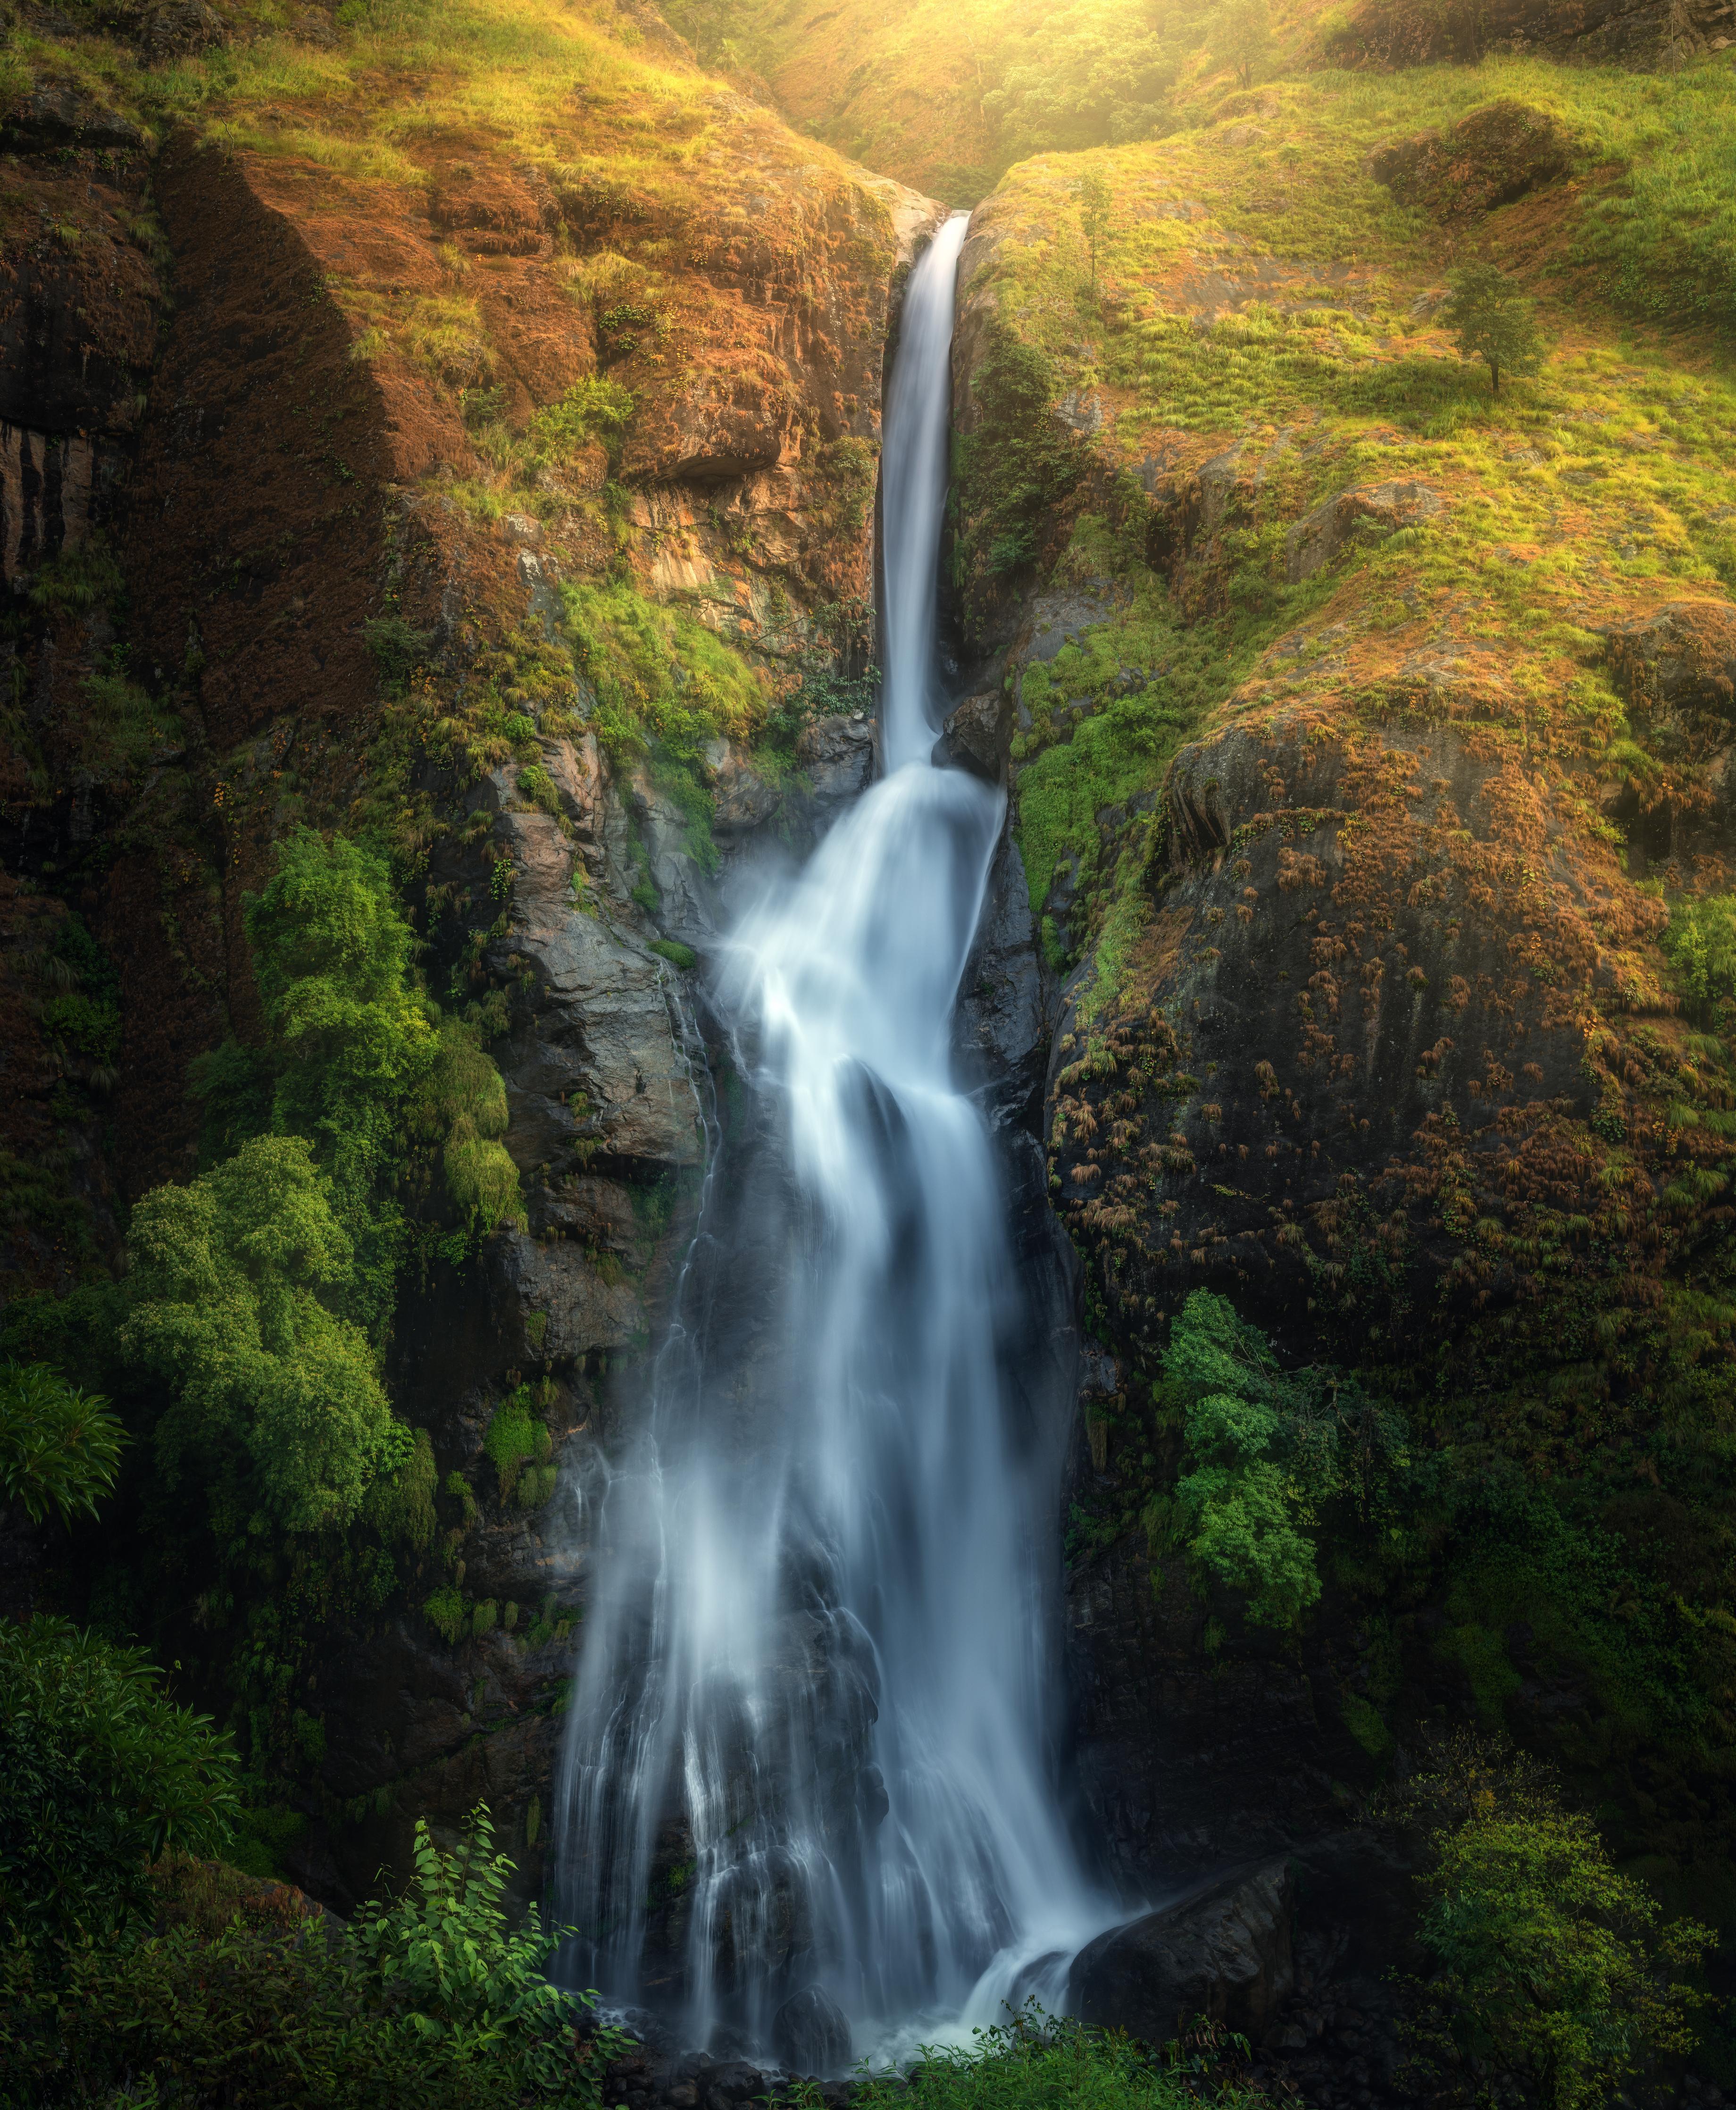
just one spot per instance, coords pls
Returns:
(379, 435)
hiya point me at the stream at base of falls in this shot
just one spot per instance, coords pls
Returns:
(809, 1769)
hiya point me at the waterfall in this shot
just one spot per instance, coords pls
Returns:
(809, 1739)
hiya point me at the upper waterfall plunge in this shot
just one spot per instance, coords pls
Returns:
(809, 1741)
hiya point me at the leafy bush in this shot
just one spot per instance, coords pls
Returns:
(516, 1438)
(1268, 1450)
(278, 1406)
(99, 1772)
(58, 1448)
(1701, 942)
(444, 1953)
(359, 1062)
(444, 1613)
(1036, 2060)
(1243, 1514)
(592, 409)
(1554, 1964)
(240, 1998)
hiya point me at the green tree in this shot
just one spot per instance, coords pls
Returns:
(1243, 37)
(99, 1772)
(359, 1062)
(1554, 1964)
(1491, 320)
(59, 1447)
(1096, 204)
(276, 1404)
(1242, 1512)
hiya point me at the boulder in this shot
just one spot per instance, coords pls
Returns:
(1503, 152)
(1317, 538)
(810, 2033)
(837, 755)
(977, 737)
(1680, 661)
(741, 797)
(181, 27)
(1224, 1952)
(57, 114)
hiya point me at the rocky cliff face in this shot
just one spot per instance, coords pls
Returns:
(1359, 762)
(271, 559)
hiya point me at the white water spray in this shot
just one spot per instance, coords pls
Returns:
(809, 1739)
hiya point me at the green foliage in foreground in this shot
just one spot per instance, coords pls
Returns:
(99, 1772)
(1036, 2061)
(429, 2000)
(59, 1447)
(1553, 1965)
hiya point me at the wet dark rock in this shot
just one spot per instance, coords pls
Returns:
(977, 735)
(1224, 1952)
(809, 2033)
(837, 756)
(1001, 1023)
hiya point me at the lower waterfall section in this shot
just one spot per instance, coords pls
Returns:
(809, 1742)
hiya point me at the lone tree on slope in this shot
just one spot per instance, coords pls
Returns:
(1244, 38)
(1096, 203)
(1490, 319)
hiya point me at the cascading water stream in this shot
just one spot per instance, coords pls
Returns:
(808, 1743)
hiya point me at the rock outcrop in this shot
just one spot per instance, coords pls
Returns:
(1223, 1952)
(1503, 152)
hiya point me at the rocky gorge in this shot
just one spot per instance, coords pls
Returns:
(477, 450)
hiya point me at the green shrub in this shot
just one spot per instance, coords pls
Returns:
(1036, 2061)
(513, 1437)
(1701, 943)
(1268, 1450)
(236, 2002)
(359, 1062)
(99, 1772)
(594, 408)
(1553, 1965)
(59, 1447)
(445, 1612)
(277, 1407)
(480, 1991)
(1243, 1514)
